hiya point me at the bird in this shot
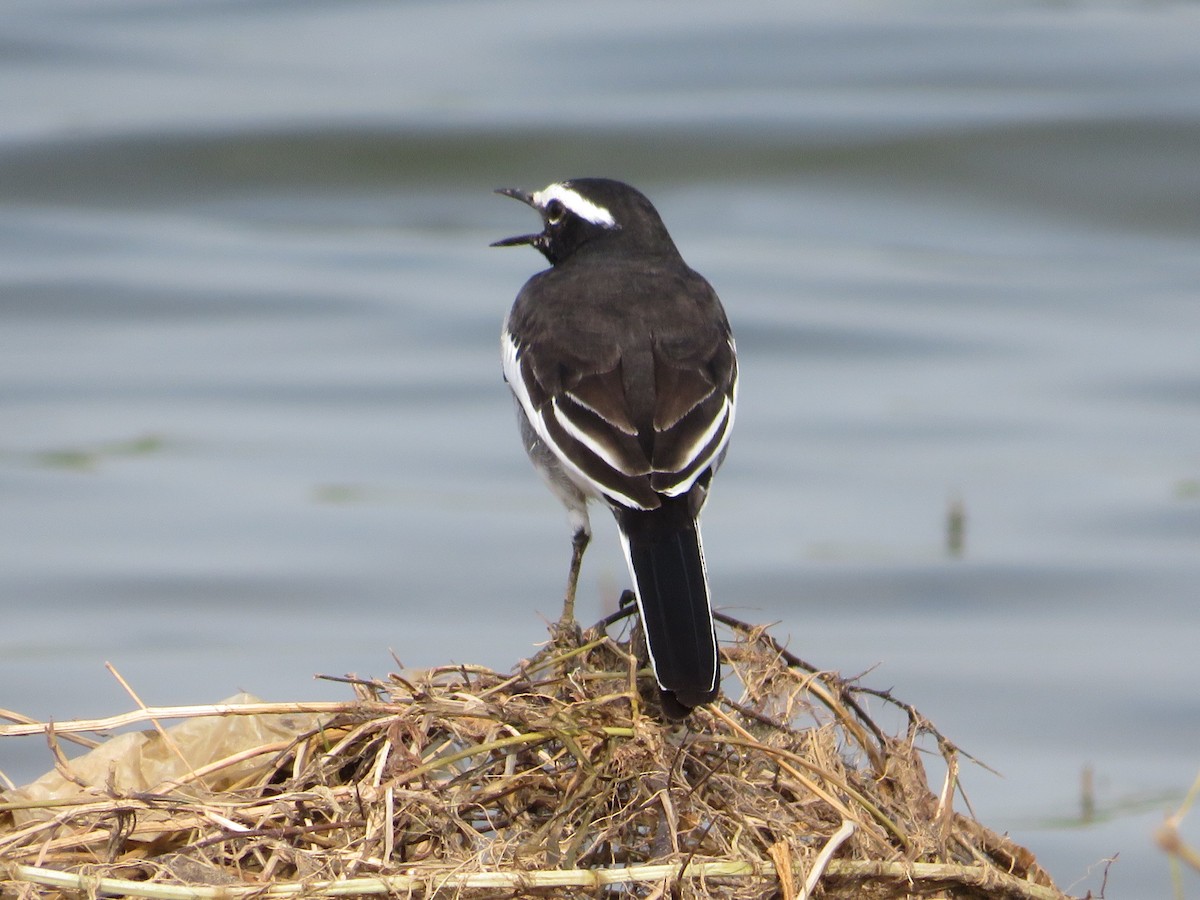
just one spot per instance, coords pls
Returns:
(623, 368)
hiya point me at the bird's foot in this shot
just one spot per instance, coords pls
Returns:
(565, 632)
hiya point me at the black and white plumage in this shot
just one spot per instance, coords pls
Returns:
(623, 367)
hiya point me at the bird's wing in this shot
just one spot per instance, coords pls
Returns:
(581, 415)
(632, 413)
(696, 397)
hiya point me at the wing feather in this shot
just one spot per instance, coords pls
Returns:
(603, 461)
(603, 394)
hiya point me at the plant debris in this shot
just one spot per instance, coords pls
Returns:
(555, 780)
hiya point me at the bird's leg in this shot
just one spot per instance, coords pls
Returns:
(578, 544)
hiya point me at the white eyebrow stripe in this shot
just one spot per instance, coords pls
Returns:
(576, 203)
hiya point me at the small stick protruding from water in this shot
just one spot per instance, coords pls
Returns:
(956, 527)
(1087, 794)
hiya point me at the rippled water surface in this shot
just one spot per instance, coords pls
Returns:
(252, 425)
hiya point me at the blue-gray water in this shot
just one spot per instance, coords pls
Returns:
(252, 425)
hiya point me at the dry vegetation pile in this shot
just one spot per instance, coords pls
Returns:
(557, 780)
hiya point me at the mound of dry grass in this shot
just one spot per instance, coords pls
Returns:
(556, 780)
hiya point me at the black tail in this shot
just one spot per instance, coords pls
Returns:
(667, 564)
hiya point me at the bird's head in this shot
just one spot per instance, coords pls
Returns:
(593, 213)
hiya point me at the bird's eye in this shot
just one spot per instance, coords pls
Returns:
(555, 211)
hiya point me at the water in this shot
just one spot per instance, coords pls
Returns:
(252, 425)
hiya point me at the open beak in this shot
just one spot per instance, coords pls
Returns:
(526, 198)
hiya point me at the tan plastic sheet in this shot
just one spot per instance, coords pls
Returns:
(143, 761)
